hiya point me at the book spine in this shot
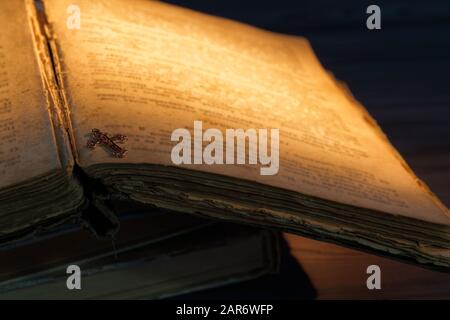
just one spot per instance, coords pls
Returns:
(50, 65)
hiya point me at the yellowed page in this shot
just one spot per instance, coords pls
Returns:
(144, 69)
(27, 143)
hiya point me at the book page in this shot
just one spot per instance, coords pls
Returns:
(144, 68)
(27, 142)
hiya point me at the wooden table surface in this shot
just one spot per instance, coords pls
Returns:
(401, 75)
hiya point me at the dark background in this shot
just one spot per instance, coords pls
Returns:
(401, 74)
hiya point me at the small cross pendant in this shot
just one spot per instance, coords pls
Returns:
(98, 137)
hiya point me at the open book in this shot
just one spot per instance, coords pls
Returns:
(144, 69)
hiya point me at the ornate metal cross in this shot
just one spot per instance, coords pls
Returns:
(98, 137)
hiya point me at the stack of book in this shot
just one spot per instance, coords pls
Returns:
(112, 120)
(155, 254)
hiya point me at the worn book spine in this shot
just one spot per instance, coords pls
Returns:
(97, 215)
(49, 65)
